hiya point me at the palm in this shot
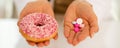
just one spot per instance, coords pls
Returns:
(79, 10)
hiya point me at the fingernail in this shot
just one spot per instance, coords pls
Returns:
(91, 35)
(74, 42)
(69, 41)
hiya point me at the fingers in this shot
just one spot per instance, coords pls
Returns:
(31, 43)
(71, 37)
(56, 36)
(75, 40)
(93, 26)
(67, 27)
(47, 43)
(93, 30)
(83, 34)
(70, 16)
(84, 31)
(93, 22)
(41, 44)
(66, 31)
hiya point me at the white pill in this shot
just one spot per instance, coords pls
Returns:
(74, 22)
(79, 21)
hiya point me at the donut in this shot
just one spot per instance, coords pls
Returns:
(38, 27)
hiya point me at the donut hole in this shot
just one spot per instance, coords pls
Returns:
(38, 24)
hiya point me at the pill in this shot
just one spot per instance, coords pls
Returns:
(79, 21)
(74, 22)
(76, 29)
(76, 25)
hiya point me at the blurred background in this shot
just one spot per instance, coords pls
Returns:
(107, 11)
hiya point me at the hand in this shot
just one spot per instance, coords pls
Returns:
(40, 6)
(80, 9)
(41, 44)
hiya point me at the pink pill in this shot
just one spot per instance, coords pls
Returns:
(76, 25)
(76, 29)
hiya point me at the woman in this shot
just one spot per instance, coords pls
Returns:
(77, 9)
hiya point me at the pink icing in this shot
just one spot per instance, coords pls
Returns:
(38, 25)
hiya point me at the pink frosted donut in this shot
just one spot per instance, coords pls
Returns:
(38, 25)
